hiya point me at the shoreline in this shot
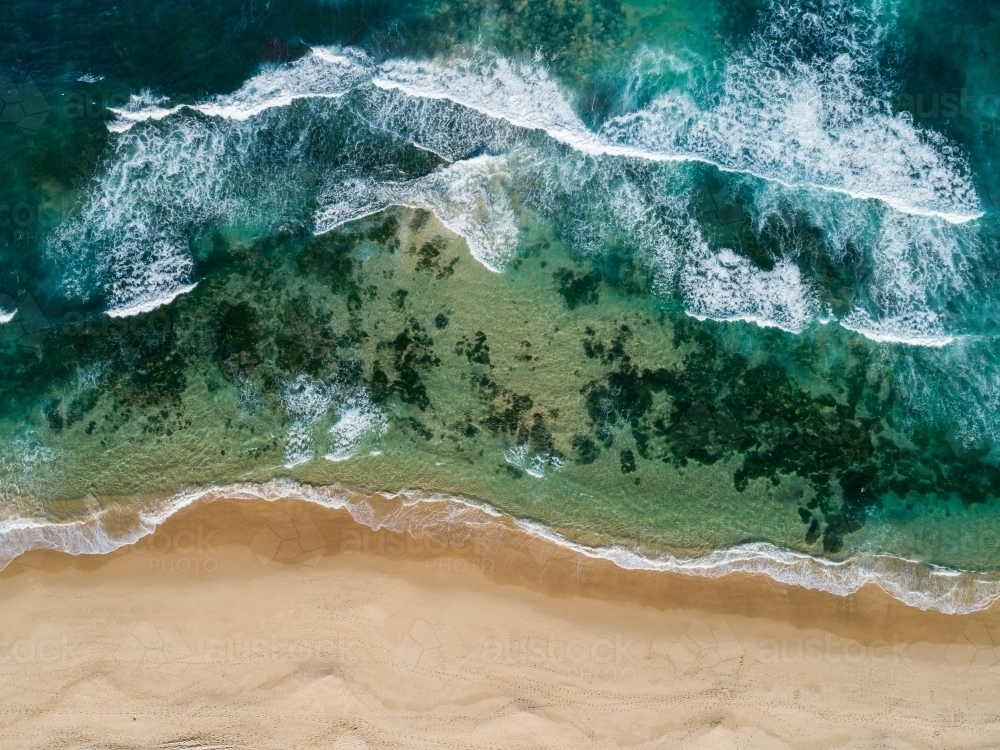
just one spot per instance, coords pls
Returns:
(914, 583)
(279, 624)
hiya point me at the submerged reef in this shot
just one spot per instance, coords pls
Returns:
(295, 333)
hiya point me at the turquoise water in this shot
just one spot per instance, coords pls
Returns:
(680, 277)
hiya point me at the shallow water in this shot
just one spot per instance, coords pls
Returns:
(676, 278)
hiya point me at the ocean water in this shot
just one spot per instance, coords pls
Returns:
(698, 286)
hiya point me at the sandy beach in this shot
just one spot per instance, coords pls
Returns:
(287, 625)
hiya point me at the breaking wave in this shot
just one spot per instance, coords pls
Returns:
(482, 141)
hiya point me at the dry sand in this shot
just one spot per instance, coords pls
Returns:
(285, 625)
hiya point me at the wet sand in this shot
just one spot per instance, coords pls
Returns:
(287, 625)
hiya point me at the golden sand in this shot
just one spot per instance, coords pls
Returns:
(285, 625)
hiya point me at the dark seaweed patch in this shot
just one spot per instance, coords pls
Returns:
(448, 269)
(476, 351)
(415, 425)
(586, 449)
(53, 415)
(236, 337)
(514, 472)
(306, 343)
(385, 231)
(578, 288)
(80, 405)
(466, 429)
(420, 218)
(540, 436)
(859, 491)
(506, 409)
(412, 350)
(428, 254)
(329, 259)
(398, 298)
(812, 534)
(151, 368)
(718, 405)
(429, 258)
(379, 383)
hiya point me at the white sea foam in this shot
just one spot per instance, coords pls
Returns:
(790, 123)
(799, 123)
(130, 238)
(359, 422)
(918, 268)
(807, 105)
(910, 270)
(140, 107)
(468, 197)
(652, 70)
(20, 534)
(726, 286)
(25, 465)
(306, 401)
(816, 120)
(926, 587)
(534, 464)
(919, 585)
(957, 388)
(321, 73)
(165, 184)
(915, 329)
(471, 200)
(441, 126)
(146, 305)
(521, 94)
(6, 317)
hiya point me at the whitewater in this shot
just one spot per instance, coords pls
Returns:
(907, 172)
(494, 124)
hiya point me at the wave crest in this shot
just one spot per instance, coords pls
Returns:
(803, 110)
